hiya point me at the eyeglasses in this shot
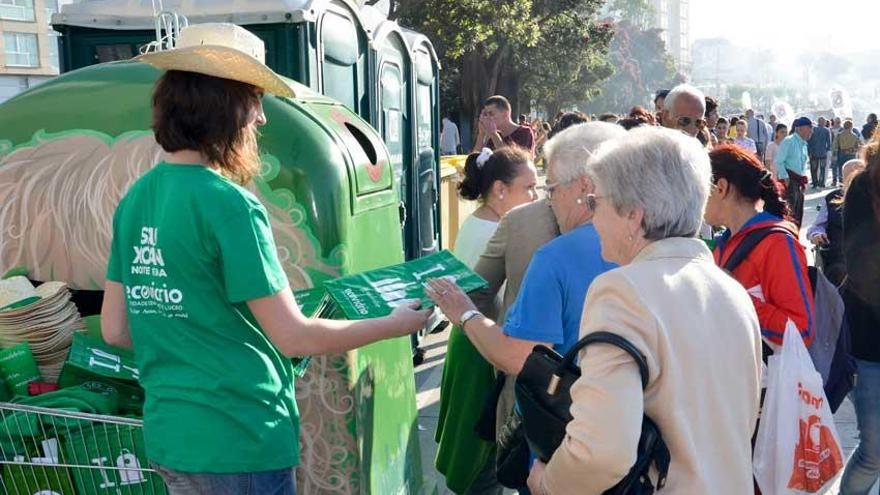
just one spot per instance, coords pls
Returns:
(592, 201)
(549, 188)
(684, 122)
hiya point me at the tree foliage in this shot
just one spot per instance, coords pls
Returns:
(641, 67)
(550, 51)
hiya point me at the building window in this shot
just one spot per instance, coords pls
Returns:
(53, 49)
(21, 50)
(17, 10)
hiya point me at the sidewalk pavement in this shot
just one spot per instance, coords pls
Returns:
(429, 373)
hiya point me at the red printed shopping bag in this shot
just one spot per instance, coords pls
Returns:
(797, 449)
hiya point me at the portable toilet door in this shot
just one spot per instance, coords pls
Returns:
(342, 53)
(426, 98)
(391, 80)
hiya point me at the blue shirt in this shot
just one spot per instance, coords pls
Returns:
(792, 155)
(819, 144)
(551, 299)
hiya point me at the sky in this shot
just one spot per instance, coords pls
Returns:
(790, 26)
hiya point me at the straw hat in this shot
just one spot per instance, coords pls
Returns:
(221, 50)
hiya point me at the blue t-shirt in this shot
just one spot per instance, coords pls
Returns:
(551, 299)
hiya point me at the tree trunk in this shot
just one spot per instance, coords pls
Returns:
(480, 78)
(552, 108)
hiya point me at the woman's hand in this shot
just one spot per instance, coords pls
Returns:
(536, 478)
(449, 298)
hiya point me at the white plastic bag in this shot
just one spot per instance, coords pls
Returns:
(797, 449)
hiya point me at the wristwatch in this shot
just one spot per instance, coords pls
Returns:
(468, 316)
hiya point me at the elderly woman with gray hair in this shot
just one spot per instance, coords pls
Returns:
(695, 325)
(549, 305)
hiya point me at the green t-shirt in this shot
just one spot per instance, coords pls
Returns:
(191, 247)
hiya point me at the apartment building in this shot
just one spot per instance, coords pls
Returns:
(28, 45)
(673, 18)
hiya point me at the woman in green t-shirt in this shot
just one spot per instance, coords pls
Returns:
(194, 284)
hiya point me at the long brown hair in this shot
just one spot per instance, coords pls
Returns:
(871, 157)
(210, 115)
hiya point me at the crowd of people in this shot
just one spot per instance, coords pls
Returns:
(645, 229)
(638, 233)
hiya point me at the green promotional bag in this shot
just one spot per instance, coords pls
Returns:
(314, 303)
(375, 293)
(93, 360)
(117, 458)
(33, 478)
(18, 368)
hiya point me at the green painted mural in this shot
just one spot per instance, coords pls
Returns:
(70, 148)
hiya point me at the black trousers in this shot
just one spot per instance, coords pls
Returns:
(818, 168)
(795, 198)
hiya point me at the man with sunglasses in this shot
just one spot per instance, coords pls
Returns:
(684, 109)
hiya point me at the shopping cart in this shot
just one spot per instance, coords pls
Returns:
(57, 452)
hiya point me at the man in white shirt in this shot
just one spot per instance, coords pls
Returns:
(449, 138)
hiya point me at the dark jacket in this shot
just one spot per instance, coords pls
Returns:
(861, 292)
(832, 254)
(868, 130)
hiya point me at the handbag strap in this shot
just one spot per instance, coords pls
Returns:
(606, 338)
(752, 239)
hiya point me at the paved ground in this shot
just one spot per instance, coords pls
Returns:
(428, 392)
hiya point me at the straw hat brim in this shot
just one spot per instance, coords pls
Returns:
(220, 61)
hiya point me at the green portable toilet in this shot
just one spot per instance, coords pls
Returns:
(426, 99)
(391, 82)
(74, 144)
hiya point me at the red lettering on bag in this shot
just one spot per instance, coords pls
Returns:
(808, 398)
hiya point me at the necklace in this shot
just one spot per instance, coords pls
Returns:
(487, 211)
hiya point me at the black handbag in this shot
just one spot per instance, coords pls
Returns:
(512, 453)
(543, 396)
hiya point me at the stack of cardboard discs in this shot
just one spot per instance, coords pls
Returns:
(46, 318)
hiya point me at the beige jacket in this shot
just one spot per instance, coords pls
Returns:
(698, 329)
(520, 233)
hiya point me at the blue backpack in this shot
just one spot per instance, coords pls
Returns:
(830, 348)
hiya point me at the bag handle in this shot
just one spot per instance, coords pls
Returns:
(751, 240)
(604, 338)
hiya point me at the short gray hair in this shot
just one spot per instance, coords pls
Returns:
(571, 149)
(682, 90)
(660, 171)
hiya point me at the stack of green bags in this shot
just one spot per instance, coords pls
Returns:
(375, 293)
(314, 303)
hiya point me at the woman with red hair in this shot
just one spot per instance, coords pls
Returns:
(748, 202)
